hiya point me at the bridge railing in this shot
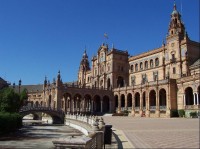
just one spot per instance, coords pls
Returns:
(35, 108)
(93, 128)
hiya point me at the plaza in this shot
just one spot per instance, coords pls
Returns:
(136, 132)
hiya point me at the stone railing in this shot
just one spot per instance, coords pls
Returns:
(92, 127)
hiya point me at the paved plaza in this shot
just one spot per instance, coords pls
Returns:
(135, 132)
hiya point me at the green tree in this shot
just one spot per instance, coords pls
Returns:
(9, 100)
(23, 97)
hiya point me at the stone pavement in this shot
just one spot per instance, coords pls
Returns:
(135, 132)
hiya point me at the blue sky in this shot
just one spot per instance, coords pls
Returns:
(40, 37)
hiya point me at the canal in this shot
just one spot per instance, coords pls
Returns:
(36, 134)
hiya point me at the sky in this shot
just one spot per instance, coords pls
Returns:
(40, 37)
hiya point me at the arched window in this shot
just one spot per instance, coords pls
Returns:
(141, 66)
(131, 68)
(151, 63)
(156, 62)
(136, 67)
(146, 65)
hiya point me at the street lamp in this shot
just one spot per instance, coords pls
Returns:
(20, 82)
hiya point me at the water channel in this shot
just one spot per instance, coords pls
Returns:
(36, 134)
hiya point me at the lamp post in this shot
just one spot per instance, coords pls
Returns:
(20, 82)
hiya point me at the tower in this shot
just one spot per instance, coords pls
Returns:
(83, 68)
(175, 37)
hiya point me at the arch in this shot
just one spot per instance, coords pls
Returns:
(120, 81)
(122, 101)
(136, 67)
(106, 104)
(146, 64)
(137, 99)
(67, 98)
(49, 101)
(97, 104)
(101, 83)
(41, 103)
(116, 101)
(108, 83)
(162, 97)
(189, 96)
(77, 102)
(152, 99)
(37, 104)
(141, 66)
(151, 63)
(144, 99)
(157, 61)
(131, 68)
(87, 105)
(129, 100)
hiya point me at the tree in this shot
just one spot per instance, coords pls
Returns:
(9, 100)
(23, 97)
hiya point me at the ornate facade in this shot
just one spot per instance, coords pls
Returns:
(149, 84)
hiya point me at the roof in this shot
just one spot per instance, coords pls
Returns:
(30, 88)
(196, 64)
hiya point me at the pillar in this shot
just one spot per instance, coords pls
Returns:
(147, 112)
(184, 102)
(133, 106)
(101, 105)
(119, 104)
(126, 103)
(141, 105)
(194, 98)
(197, 99)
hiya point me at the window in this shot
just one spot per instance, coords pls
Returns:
(155, 76)
(156, 62)
(136, 67)
(174, 70)
(131, 68)
(141, 66)
(132, 80)
(173, 56)
(151, 63)
(146, 65)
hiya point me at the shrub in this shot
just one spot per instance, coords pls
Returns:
(9, 122)
(181, 113)
(193, 114)
(174, 113)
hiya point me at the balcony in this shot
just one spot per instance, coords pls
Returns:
(173, 60)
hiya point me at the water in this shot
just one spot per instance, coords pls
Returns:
(36, 134)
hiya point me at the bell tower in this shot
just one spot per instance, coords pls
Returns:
(83, 68)
(176, 26)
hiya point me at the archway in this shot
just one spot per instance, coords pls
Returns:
(137, 100)
(120, 82)
(152, 99)
(108, 83)
(162, 97)
(49, 102)
(106, 104)
(122, 101)
(37, 104)
(129, 101)
(77, 102)
(97, 103)
(144, 100)
(87, 103)
(189, 96)
(67, 98)
(116, 101)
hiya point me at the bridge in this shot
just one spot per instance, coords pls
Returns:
(56, 115)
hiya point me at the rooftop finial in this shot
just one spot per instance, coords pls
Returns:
(174, 5)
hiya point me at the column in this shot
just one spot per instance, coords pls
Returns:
(184, 102)
(83, 105)
(101, 105)
(141, 105)
(194, 98)
(133, 105)
(197, 99)
(147, 112)
(126, 103)
(119, 104)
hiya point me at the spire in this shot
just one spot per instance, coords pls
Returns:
(58, 75)
(174, 5)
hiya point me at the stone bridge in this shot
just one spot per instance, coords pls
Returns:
(56, 115)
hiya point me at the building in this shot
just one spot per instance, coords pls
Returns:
(151, 84)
